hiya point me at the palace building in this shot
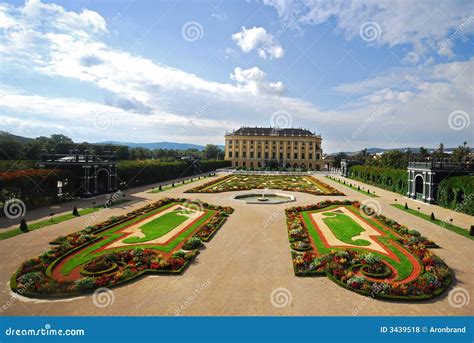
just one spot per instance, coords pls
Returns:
(260, 147)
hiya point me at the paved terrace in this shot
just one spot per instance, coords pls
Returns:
(245, 262)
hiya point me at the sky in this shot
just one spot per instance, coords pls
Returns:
(375, 73)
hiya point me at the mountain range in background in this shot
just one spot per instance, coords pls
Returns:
(159, 145)
(380, 150)
(6, 136)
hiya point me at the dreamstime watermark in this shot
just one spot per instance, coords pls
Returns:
(192, 206)
(370, 31)
(199, 113)
(288, 22)
(376, 289)
(192, 31)
(459, 297)
(20, 291)
(460, 207)
(371, 207)
(14, 32)
(281, 119)
(455, 35)
(380, 111)
(278, 212)
(109, 202)
(190, 299)
(47, 330)
(458, 120)
(14, 208)
(103, 121)
(281, 297)
(103, 297)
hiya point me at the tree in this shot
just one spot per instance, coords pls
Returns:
(461, 153)
(393, 159)
(439, 153)
(10, 150)
(423, 153)
(211, 151)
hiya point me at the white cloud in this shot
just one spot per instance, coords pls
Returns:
(151, 102)
(255, 81)
(422, 24)
(257, 38)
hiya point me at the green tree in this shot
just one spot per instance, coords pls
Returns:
(211, 151)
(423, 153)
(439, 153)
(461, 153)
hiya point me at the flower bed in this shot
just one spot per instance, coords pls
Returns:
(99, 266)
(368, 272)
(305, 184)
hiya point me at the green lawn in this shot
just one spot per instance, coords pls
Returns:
(448, 226)
(176, 185)
(353, 187)
(344, 228)
(110, 235)
(403, 266)
(56, 220)
(159, 226)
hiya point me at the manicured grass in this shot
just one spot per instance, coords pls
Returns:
(159, 226)
(403, 266)
(110, 235)
(176, 185)
(56, 220)
(353, 187)
(344, 228)
(448, 226)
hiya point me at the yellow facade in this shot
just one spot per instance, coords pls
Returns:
(263, 147)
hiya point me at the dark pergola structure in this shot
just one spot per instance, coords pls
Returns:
(346, 164)
(424, 178)
(97, 174)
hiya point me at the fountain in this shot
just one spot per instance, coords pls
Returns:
(262, 197)
(257, 196)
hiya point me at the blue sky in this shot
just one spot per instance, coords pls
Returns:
(363, 74)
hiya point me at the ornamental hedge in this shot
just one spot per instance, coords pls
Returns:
(394, 180)
(457, 193)
(36, 187)
(139, 173)
(39, 187)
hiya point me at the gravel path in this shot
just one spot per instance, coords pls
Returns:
(246, 269)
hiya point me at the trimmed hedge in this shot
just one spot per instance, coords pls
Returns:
(36, 187)
(145, 172)
(457, 193)
(394, 180)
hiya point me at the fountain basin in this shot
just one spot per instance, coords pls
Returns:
(256, 197)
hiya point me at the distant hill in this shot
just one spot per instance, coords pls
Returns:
(381, 150)
(8, 137)
(159, 145)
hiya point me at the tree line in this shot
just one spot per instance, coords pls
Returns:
(60, 144)
(397, 159)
